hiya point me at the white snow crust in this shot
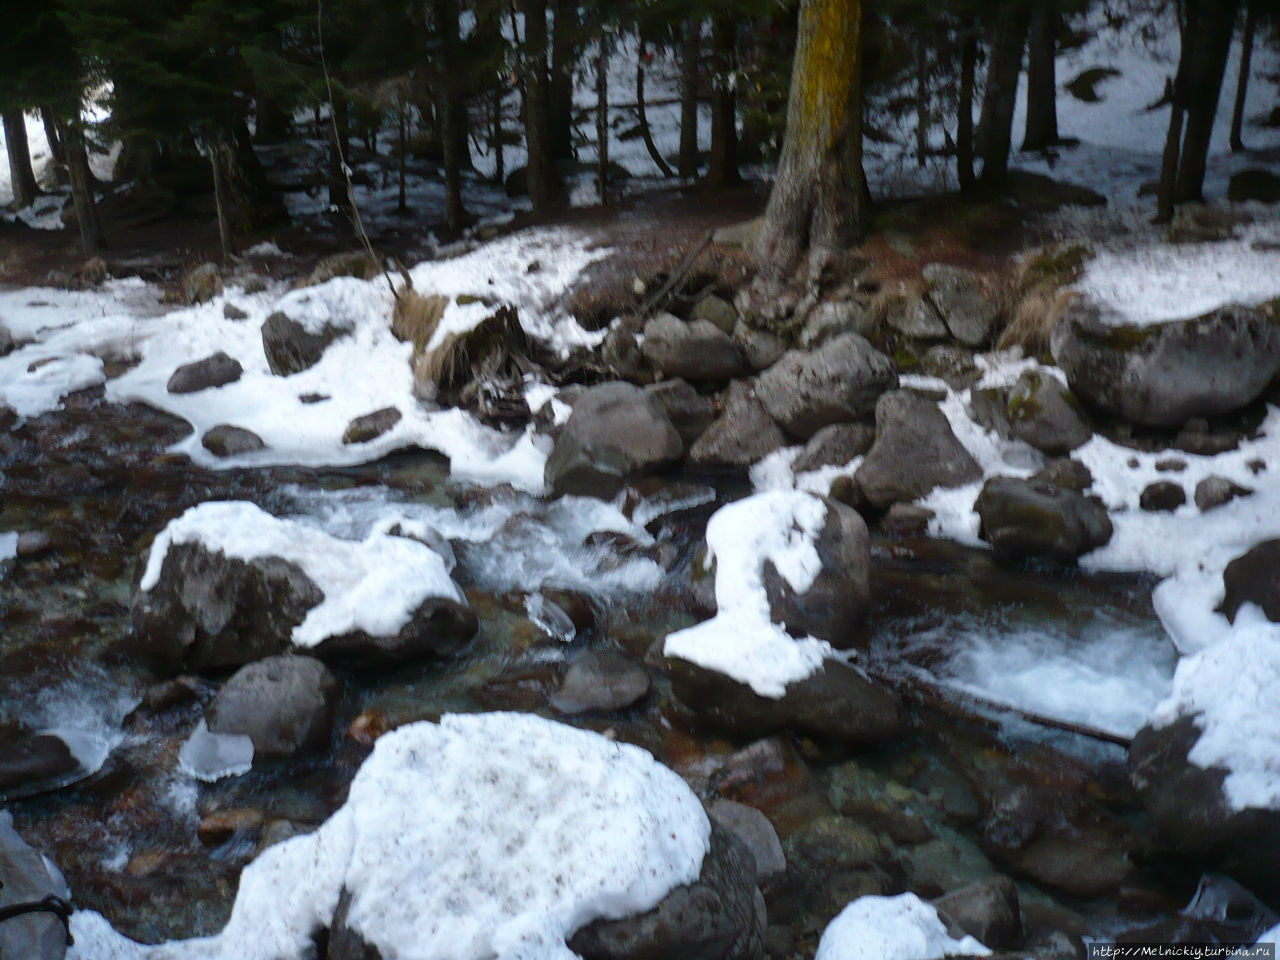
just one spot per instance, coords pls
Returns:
(891, 928)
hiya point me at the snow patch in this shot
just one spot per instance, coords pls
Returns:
(892, 928)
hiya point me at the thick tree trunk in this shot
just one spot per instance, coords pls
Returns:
(1213, 45)
(21, 178)
(642, 115)
(543, 185)
(217, 162)
(964, 109)
(723, 169)
(495, 139)
(818, 200)
(1042, 78)
(1242, 79)
(563, 58)
(91, 237)
(690, 54)
(602, 122)
(453, 125)
(995, 125)
(51, 134)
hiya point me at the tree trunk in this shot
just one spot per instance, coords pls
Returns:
(995, 125)
(495, 139)
(602, 122)
(22, 179)
(1217, 23)
(543, 185)
(964, 110)
(91, 238)
(642, 115)
(217, 158)
(922, 102)
(453, 122)
(818, 199)
(55, 146)
(402, 139)
(339, 195)
(1042, 78)
(1242, 79)
(723, 169)
(690, 53)
(563, 58)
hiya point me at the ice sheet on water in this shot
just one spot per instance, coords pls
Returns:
(209, 756)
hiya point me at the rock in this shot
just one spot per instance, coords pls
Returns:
(1188, 805)
(953, 364)
(948, 861)
(744, 434)
(698, 351)
(616, 431)
(756, 833)
(1044, 414)
(220, 826)
(621, 351)
(32, 761)
(202, 284)
(7, 343)
(838, 702)
(1163, 496)
(1213, 492)
(831, 860)
(879, 803)
(716, 311)
(1085, 865)
(231, 312)
(835, 445)
(836, 383)
(1031, 519)
(603, 681)
(1262, 186)
(215, 371)
(371, 426)
(1171, 465)
(34, 543)
(25, 877)
(1166, 374)
(354, 263)
(912, 316)
(1065, 473)
(714, 918)
(689, 411)
(957, 295)
(914, 452)
(1252, 578)
(1200, 223)
(907, 520)
(226, 440)
(291, 348)
(987, 910)
(760, 349)
(832, 318)
(283, 704)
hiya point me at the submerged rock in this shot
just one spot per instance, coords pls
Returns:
(1032, 519)
(987, 910)
(838, 382)
(600, 680)
(215, 371)
(283, 704)
(33, 760)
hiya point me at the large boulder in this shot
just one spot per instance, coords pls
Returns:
(1253, 577)
(915, 451)
(697, 351)
(836, 383)
(690, 412)
(834, 446)
(744, 434)
(33, 763)
(1168, 373)
(616, 431)
(1032, 519)
(27, 877)
(292, 346)
(718, 917)
(283, 704)
(214, 371)
(960, 300)
(1045, 414)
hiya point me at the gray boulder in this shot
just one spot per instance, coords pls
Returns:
(616, 431)
(25, 877)
(832, 318)
(697, 351)
(988, 911)
(215, 371)
(717, 917)
(227, 440)
(836, 383)
(912, 316)
(959, 299)
(835, 446)
(755, 831)
(1213, 492)
(283, 704)
(291, 348)
(1032, 519)
(715, 310)
(742, 435)
(915, 451)
(1169, 373)
(600, 680)
(760, 349)
(1044, 414)
(371, 425)
(689, 411)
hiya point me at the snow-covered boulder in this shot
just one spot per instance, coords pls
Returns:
(484, 836)
(304, 323)
(892, 928)
(227, 583)
(1164, 374)
(791, 580)
(26, 876)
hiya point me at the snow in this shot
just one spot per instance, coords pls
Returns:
(485, 836)
(374, 585)
(8, 546)
(742, 641)
(891, 928)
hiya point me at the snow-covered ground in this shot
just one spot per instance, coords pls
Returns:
(483, 836)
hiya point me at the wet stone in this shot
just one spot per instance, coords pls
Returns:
(601, 680)
(1211, 492)
(226, 440)
(1163, 496)
(215, 371)
(34, 760)
(220, 826)
(371, 425)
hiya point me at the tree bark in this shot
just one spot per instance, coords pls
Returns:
(602, 122)
(563, 57)
(339, 195)
(964, 109)
(51, 134)
(690, 54)
(543, 185)
(217, 158)
(642, 115)
(91, 237)
(1042, 78)
(453, 125)
(995, 125)
(818, 200)
(922, 102)
(402, 141)
(1213, 46)
(21, 178)
(1242, 79)
(723, 169)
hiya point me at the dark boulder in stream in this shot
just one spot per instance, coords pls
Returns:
(1035, 520)
(283, 704)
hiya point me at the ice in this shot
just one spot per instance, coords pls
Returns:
(741, 641)
(8, 546)
(374, 585)
(212, 756)
(485, 836)
(892, 928)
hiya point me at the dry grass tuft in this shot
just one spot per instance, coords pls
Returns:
(416, 317)
(1033, 320)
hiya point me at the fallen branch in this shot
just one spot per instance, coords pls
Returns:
(677, 275)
